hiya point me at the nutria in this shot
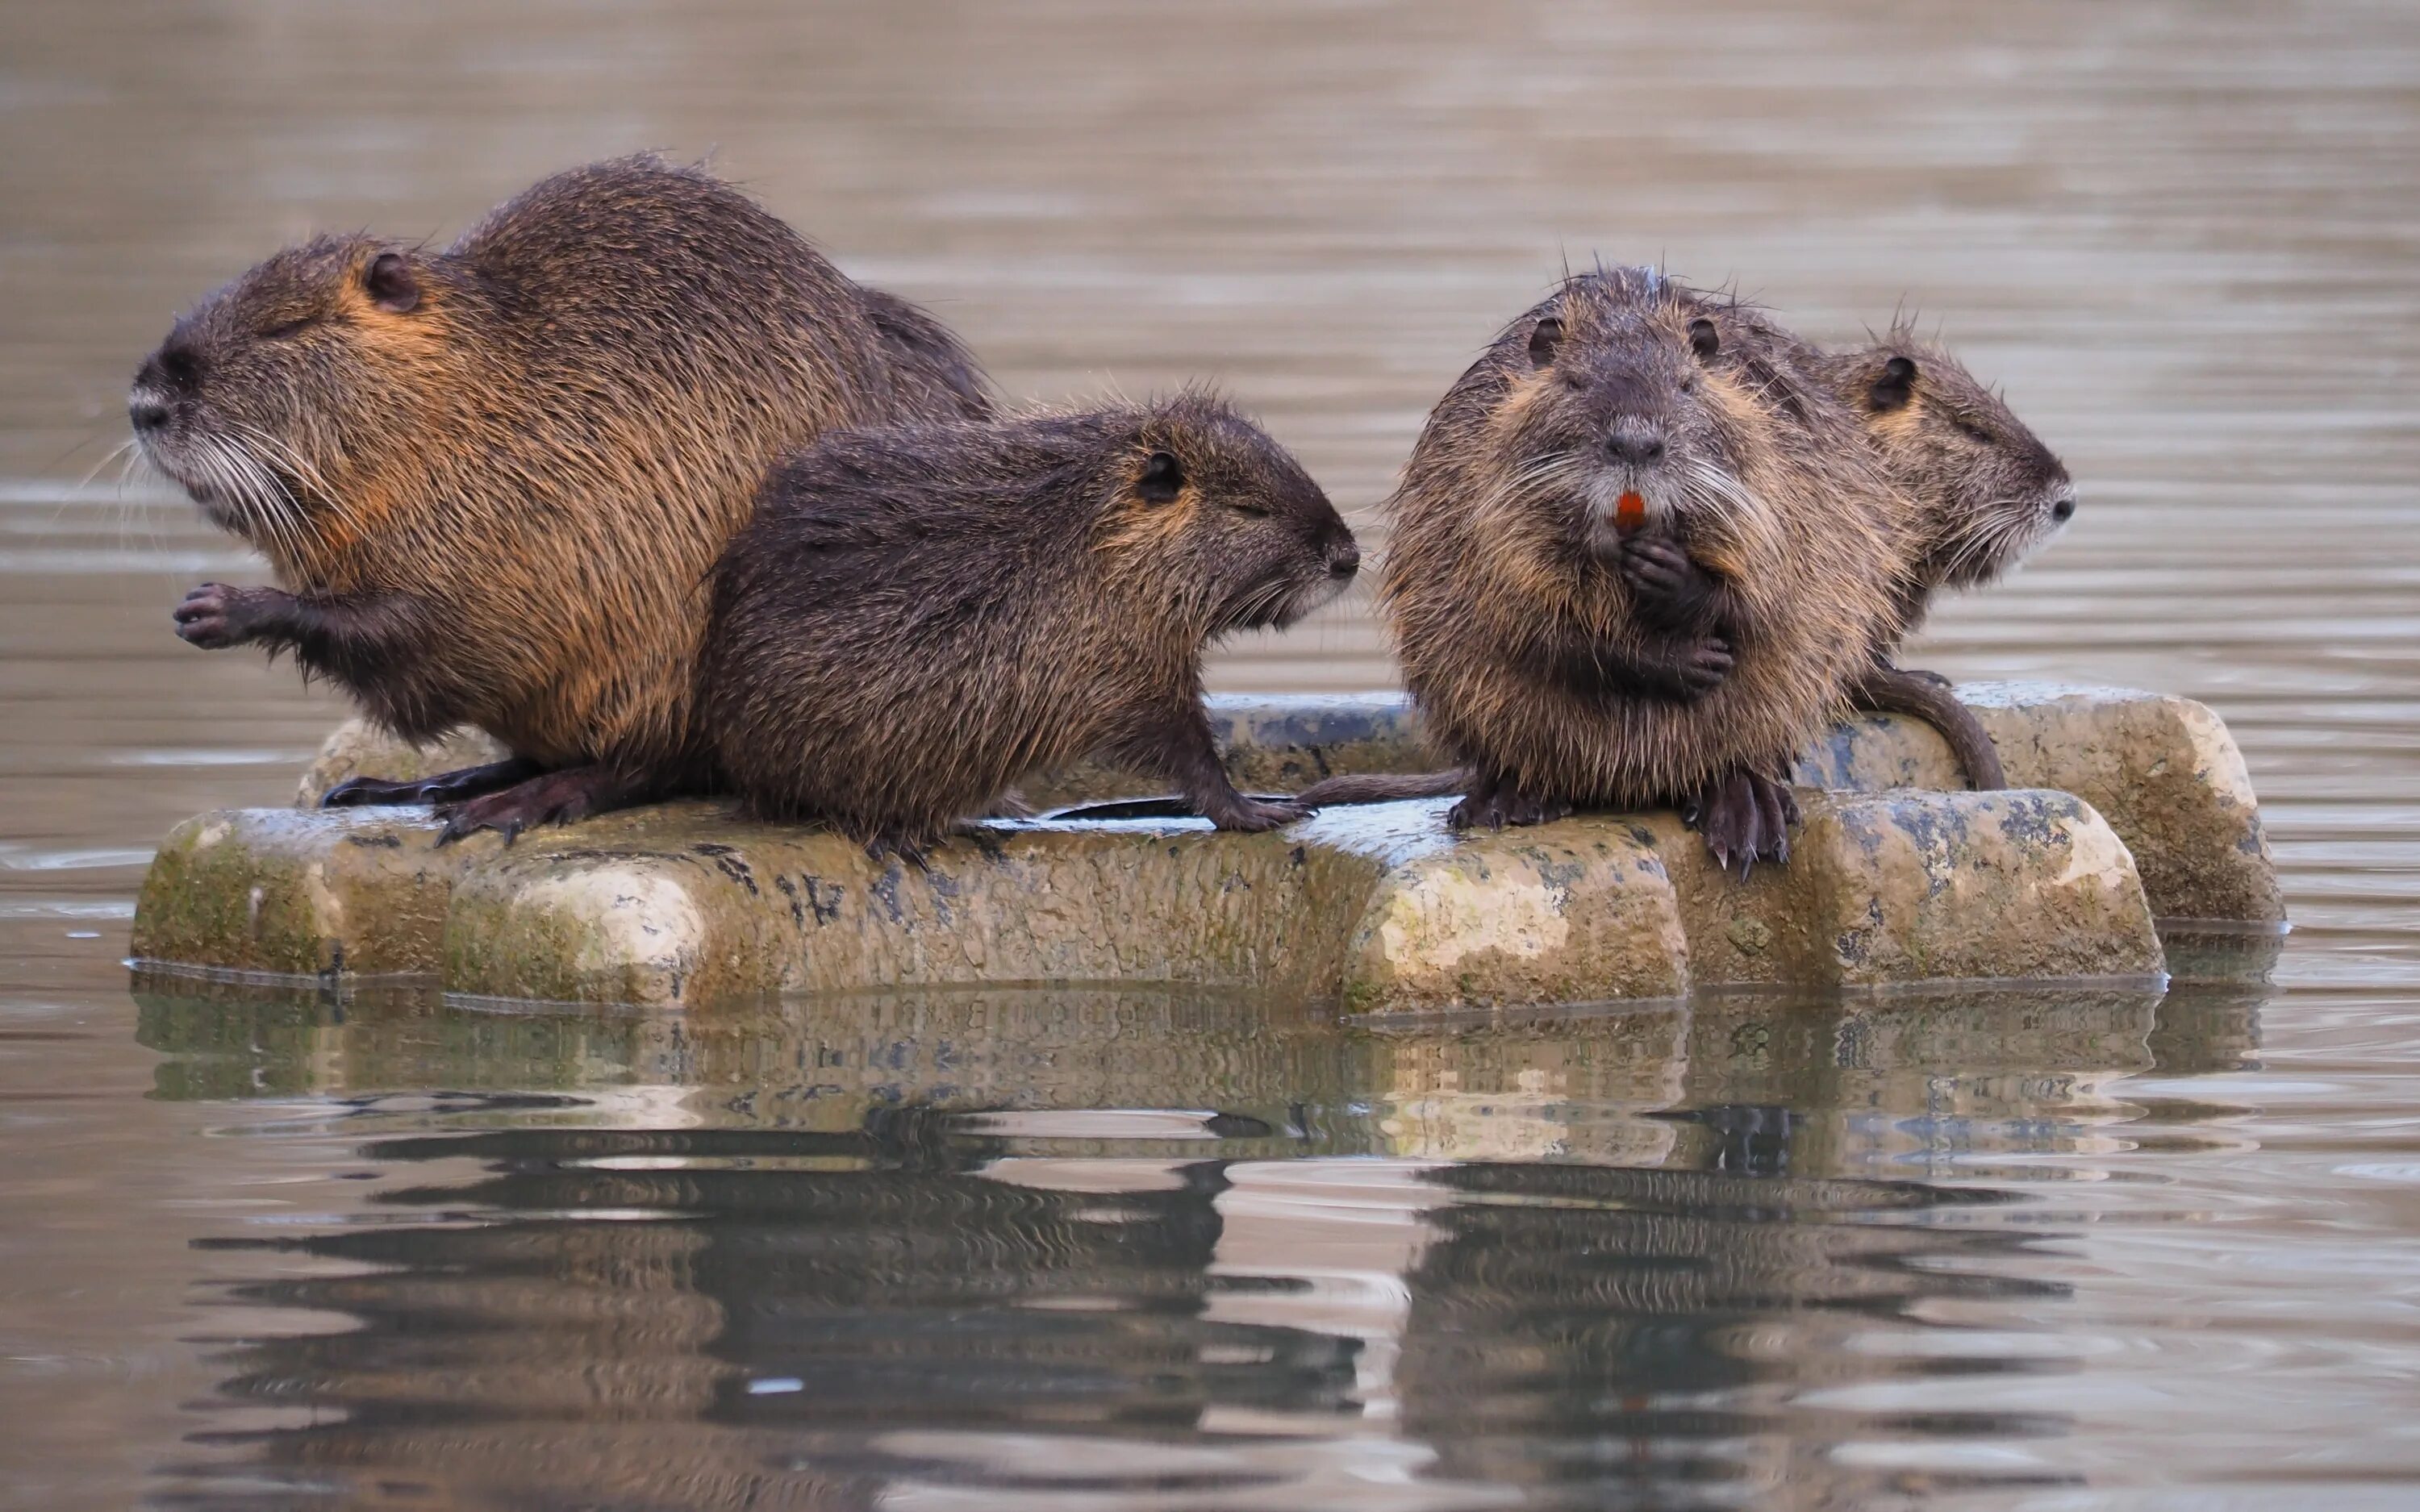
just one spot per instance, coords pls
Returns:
(921, 614)
(1987, 494)
(1633, 475)
(491, 479)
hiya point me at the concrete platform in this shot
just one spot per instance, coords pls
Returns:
(2162, 770)
(1375, 908)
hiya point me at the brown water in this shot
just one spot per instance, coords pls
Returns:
(2055, 1252)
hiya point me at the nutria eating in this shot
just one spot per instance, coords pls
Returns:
(921, 614)
(491, 479)
(1639, 554)
(1987, 494)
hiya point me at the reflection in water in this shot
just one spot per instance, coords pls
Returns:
(1124, 1249)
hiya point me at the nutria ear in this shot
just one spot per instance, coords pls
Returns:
(1704, 339)
(390, 284)
(1891, 390)
(1161, 480)
(1545, 337)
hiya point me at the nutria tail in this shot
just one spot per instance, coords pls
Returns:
(1886, 689)
(1386, 787)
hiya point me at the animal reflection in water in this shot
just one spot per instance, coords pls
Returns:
(753, 1319)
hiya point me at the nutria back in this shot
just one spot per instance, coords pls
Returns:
(919, 615)
(528, 448)
(1987, 492)
(1626, 401)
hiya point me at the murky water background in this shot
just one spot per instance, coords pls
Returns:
(1098, 1250)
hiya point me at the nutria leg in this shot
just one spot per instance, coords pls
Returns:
(1926, 695)
(348, 635)
(1496, 801)
(1745, 817)
(555, 798)
(1180, 748)
(445, 787)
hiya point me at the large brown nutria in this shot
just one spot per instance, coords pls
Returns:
(921, 614)
(1987, 494)
(1635, 476)
(491, 479)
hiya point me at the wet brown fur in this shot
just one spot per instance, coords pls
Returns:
(1987, 491)
(921, 614)
(507, 496)
(1490, 567)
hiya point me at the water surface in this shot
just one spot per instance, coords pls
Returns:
(1119, 1250)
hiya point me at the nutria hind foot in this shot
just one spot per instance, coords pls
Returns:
(1745, 817)
(445, 787)
(1493, 804)
(552, 798)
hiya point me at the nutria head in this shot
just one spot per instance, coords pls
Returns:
(1626, 401)
(270, 399)
(1989, 493)
(1204, 500)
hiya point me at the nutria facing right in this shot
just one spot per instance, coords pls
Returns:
(1627, 406)
(1987, 493)
(921, 614)
(491, 479)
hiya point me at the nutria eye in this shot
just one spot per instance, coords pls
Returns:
(1891, 390)
(1545, 337)
(279, 333)
(390, 284)
(1161, 479)
(1974, 433)
(1704, 339)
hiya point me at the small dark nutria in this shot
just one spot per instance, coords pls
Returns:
(921, 614)
(1639, 554)
(1987, 494)
(492, 479)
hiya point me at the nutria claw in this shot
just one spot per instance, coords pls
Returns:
(881, 848)
(1496, 807)
(215, 616)
(1745, 817)
(554, 798)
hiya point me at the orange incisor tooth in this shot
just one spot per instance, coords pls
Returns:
(1629, 512)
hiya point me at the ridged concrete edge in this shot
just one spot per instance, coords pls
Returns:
(1378, 908)
(2162, 770)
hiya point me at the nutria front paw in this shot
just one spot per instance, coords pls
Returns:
(1746, 818)
(1252, 815)
(1702, 668)
(1667, 584)
(1496, 808)
(215, 616)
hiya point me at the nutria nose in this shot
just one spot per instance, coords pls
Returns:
(1634, 440)
(1344, 559)
(2064, 510)
(148, 411)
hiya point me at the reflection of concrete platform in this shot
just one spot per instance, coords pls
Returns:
(1377, 907)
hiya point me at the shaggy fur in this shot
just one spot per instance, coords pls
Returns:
(1531, 641)
(493, 478)
(921, 614)
(1988, 493)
